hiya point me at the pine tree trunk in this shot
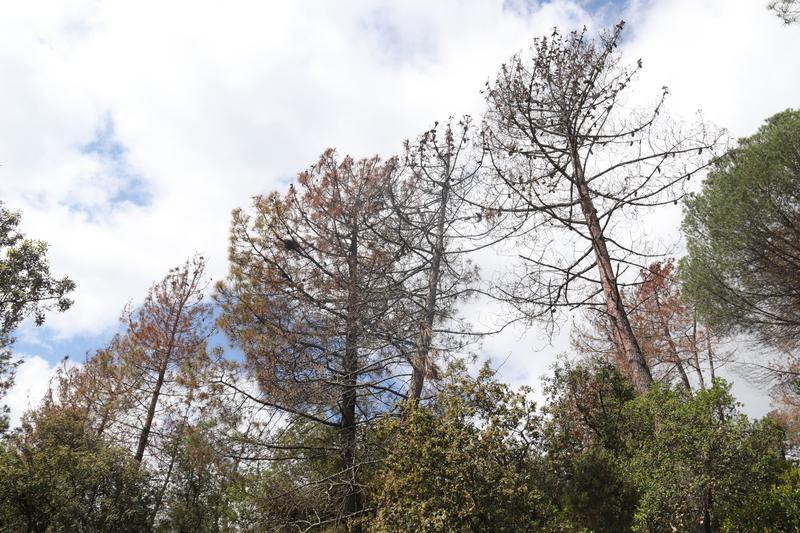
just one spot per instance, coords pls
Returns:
(642, 378)
(676, 357)
(710, 356)
(425, 338)
(696, 353)
(352, 501)
(151, 411)
(168, 477)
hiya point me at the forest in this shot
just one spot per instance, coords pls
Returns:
(332, 381)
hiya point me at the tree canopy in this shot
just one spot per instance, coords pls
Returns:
(743, 240)
(333, 381)
(27, 289)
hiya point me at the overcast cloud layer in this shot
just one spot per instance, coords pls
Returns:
(129, 130)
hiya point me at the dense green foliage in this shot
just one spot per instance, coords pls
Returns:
(26, 286)
(772, 510)
(349, 406)
(57, 477)
(742, 234)
(585, 444)
(197, 500)
(27, 289)
(468, 462)
(669, 460)
(597, 457)
(696, 458)
(479, 457)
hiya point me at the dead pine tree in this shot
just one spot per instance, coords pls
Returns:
(101, 390)
(438, 229)
(677, 348)
(167, 335)
(572, 157)
(314, 300)
(787, 10)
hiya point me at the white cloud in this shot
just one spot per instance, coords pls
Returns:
(212, 106)
(733, 59)
(214, 103)
(31, 385)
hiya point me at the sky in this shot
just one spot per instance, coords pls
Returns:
(130, 130)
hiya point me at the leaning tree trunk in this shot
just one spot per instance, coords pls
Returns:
(151, 409)
(642, 378)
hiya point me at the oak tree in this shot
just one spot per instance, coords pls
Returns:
(27, 289)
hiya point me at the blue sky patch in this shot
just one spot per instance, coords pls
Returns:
(396, 44)
(606, 9)
(117, 182)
